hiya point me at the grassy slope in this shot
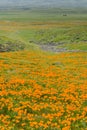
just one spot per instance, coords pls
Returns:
(45, 26)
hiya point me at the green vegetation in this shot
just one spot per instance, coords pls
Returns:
(75, 46)
(33, 27)
(7, 45)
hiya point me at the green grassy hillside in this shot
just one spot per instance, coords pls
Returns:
(35, 27)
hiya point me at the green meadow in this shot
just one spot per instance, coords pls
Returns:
(33, 27)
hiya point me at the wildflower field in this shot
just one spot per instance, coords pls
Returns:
(42, 91)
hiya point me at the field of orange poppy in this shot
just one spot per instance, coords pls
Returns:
(42, 91)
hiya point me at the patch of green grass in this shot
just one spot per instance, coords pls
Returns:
(27, 35)
(61, 35)
(75, 46)
(50, 14)
(7, 44)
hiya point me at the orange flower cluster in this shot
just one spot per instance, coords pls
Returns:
(40, 91)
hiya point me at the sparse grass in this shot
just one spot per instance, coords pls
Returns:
(75, 46)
